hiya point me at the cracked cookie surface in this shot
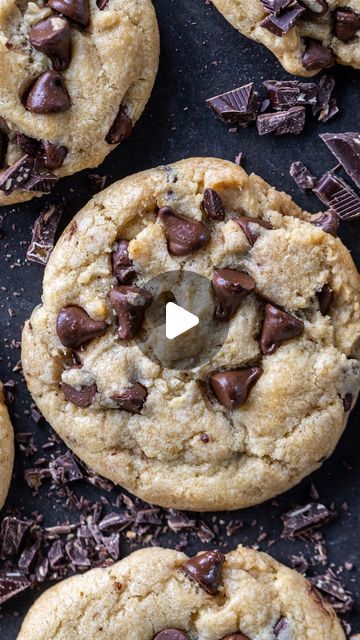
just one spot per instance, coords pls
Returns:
(270, 404)
(6, 449)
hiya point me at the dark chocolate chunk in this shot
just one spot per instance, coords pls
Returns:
(77, 10)
(317, 56)
(64, 469)
(276, 6)
(347, 401)
(278, 326)
(337, 195)
(82, 397)
(184, 235)
(232, 388)
(290, 93)
(131, 399)
(11, 583)
(213, 205)
(75, 327)
(52, 37)
(31, 146)
(12, 534)
(282, 122)
(325, 298)
(171, 634)
(347, 23)
(205, 569)
(121, 128)
(302, 176)
(314, 8)
(43, 235)
(49, 154)
(115, 522)
(102, 4)
(326, 105)
(328, 222)
(24, 175)
(130, 304)
(77, 554)
(346, 149)
(29, 555)
(239, 106)
(302, 519)
(231, 287)
(280, 628)
(284, 21)
(122, 266)
(249, 226)
(48, 94)
(3, 147)
(341, 600)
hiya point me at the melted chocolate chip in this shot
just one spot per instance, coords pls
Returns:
(347, 24)
(283, 22)
(239, 106)
(278, 326)
(346, 149)
(130, 304)
(171, 634)
(121, 128)
(75, 327)
(282, 122)
(347, 402)
(50, 154)
(3, 147)
(184, 235)
(24, 175)
(328, 222)
(231, 287)
(232, 388)
(82, 397)
(325, 298)
(52, 37)
(337, 195)
(122, 267)
(205, 569)
(132, 399)
(77, 10)
(48, 94)
(247, 224)
(213, 205)
(317, 56)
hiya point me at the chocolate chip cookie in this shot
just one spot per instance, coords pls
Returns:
(6, 448)
(305, 35)
(267, 406)
(75, 76)
(159, 594)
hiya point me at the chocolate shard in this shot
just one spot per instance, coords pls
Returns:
(276, 6)
(337, 195)
(130, 304)
(43, 235)
(75, 327)
(325, 298)
(281, 629)
(12, 535)
(64, 469)
(328, 222)
(184, 235)
(231, 288)
(12, 583)
(346, 149)
(82, 397)
(314, 8)
(171, 634)
(340, 599)
(317, 56)
(236, 636)
(121, 128)
(347, 23)
(77, 10)
(4, 141)
(213, 205)
(49, 154)
(239, 106)
(122, 266)
(48, 94)
(24, 175)
(302, 176)
(347, 402)
(249, 226)
(278, 326)
(303, 519)
(206, 570)
(283, 22)
(102, 4)
(290, 93)
(131, 399)
(52, 37)
(56, 554)
(325, 104)
(232, 388)
(116, 522)
(282, 122)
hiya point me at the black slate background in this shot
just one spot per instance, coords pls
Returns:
(201, 56)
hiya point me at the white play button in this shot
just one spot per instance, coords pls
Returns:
(178, 320)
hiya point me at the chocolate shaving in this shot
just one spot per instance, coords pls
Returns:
(43, 235)
(337, 195)
(304, 519)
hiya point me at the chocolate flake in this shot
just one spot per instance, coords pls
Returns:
(239, 106)
(64, 469)
(12, 535)
(290, 93)
(304, 519)
(337, 195)
(346, 149)
(302, 176)
(250, 226)
(43, 235)
(282, 122)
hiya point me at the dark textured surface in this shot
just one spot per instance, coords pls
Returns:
(201, 56)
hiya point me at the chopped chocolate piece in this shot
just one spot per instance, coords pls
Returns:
(77, 554)
(29, 555)
(317, 56)
(298, 521)
(276, 6)
(64, 469)
(178, 521)
(82, 397)
(337, 195)
(249, 227)
(341, 600)
(3, 147)
(283, 22)
(50, 154)
(102, 4)
(48, 94)
(239, 106)
(18, 176)
(75, 327)
(115, 521)
(324, 104)
(122, 266)
(43, 235)
(213, 205)
(184, 235)
(328, 222)
(12, 535)
(281, 628)
(331, 110)
(302, 176)
(11, 583)
(130, 304)
(278, 326)
(132, 399)
(40, 182)
(290, 93)
(206, 570)
(347, 24)
(77, 10)
(325, 298)
(121, 128)
(52, 37)
(112, 545)
(232, 388)
(56, 554)
(149, 516)
(346, 149)
(171, 634)
(347, 401)
(231, 288)
(314, 8)
(282, 122)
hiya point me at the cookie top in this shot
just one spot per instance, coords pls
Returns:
(267, 407)
(305, 35)
(75, 76)
(6, 449)
(160, 594)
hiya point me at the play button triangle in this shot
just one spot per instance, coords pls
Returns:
(178, 320)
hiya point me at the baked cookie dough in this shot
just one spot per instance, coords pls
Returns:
(6, 449)
(159, 594)
(268, 407)
(75, 76)
(305, 35)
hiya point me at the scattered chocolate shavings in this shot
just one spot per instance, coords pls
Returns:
(239, 106)
(337, 195)
(303, 519)
(346, 149)
(282, 122)
(302, 176)
(12, 535)
(290, 93)
(43, 236)
(341, 600)
(64, 469)
(11, 583)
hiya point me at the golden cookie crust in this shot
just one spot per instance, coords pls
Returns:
(6, 449)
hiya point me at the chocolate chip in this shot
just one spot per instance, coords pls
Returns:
(43, 235)
(121, 129)
(82, 397)
(317, 56)
(206, 570)
(132, 399)
(278, 326)
(302, 176)
(328, 222)
(231, 287)
(290, 93)
(184, 235)
(130, 304)
(213, 205)
(337, 195)
(24, 175)
(77, 10)
(282, 122)
(52, 37)
(302, 519)
(50, 154)
(347, 402)
(48, 94)
(232, 388)
(171, 634)
(314, 8)
(249, 226)
(11, 583)
(325, 298)
(239, 106)
(122, 267)
(346, 149)
(3, 147)
(75, 327)
(347, 24)
(283, 22)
